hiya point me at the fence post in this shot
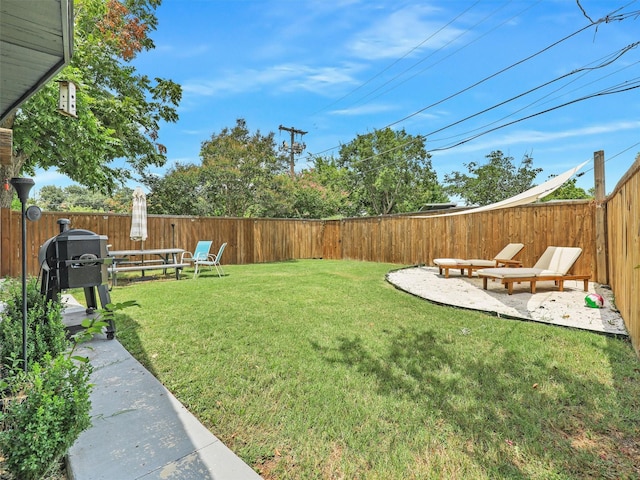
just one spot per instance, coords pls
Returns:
(601, 219)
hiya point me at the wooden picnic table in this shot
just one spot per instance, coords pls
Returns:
(145, 259)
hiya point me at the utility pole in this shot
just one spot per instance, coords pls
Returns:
(294, 147)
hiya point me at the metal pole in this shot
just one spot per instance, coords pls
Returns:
(24, 287)
(22, 187)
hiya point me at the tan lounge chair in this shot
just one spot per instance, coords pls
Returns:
(553, 265)
(503, 258)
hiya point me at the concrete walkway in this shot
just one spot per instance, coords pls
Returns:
(547, 305)
(140, 430)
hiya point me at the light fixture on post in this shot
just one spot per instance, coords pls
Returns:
(22, 187)
(67, 99)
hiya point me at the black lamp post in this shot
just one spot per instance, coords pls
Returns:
(22, 187)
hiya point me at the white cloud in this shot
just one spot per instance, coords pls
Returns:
(399, 33)
(195, 132)
(537, 136)
(531, 138)
(320, 80)
(284, 77)
(363, 110)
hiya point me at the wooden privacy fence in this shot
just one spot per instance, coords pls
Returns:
(393, 239)
(623, 259)
(404, 240)
(249, 240)
(413, 240)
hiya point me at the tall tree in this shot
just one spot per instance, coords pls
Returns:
(241, 175)
(243, 167)
(568, 191)
(321, 192)
(390, 172)
(196, 190)
(118, 110)
(76, 198)
(183, 190)
(496, 180)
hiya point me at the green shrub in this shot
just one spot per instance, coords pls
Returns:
(45, 329)
(39, 428)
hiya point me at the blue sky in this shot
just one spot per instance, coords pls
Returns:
(340, 68)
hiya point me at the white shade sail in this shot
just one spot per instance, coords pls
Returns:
(528, 196)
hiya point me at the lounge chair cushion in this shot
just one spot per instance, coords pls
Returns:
(554, 262)
(510, 272)
(562, 260)
(476, 262)
(510, 251)
(507, 253)
(452, 262)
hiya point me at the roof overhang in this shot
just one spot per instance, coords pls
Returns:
(36, 42)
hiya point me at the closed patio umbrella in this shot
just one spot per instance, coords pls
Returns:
(139, 219)
(139, 216)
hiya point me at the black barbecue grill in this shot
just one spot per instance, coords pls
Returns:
(76, 258)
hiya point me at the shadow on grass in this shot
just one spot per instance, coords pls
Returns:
(512, 411)
(624, 434)
(127, 333)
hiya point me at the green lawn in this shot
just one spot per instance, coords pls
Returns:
(321, 369)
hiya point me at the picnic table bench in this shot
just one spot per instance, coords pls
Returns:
(161, 259)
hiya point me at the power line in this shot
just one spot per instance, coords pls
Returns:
(619, 88)
(606, 63)
(539, 100)
(610, 158)
(612, 90)
(396, 61)
(607, 19)
(493, 75)
(447, 56)
(482, 80)
(436, 51)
